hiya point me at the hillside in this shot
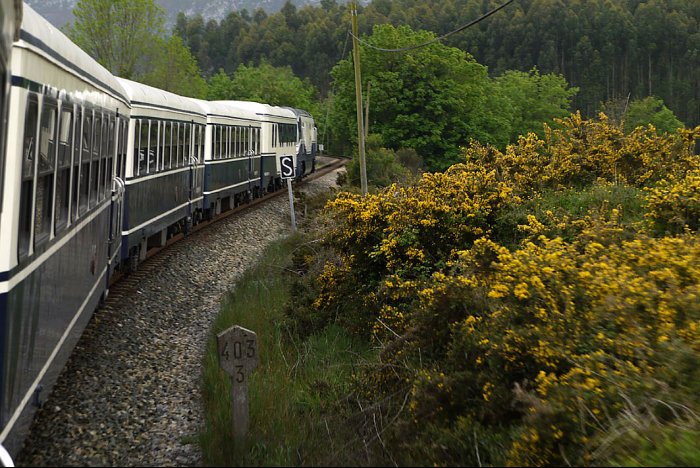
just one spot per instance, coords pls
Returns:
(59, 12)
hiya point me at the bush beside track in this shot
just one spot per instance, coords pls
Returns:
(537, 306)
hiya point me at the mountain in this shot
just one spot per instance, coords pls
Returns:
(60, 12)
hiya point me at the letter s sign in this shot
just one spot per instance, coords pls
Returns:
(287, 166)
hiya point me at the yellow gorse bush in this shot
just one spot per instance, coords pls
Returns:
(540, 346)
(674, 205)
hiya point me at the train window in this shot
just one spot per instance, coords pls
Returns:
(244, 140)
(186, 139)
(31, 120)
(167, 151)
(85, 157)
(239, 142)
(219, 141)
(228, 140)
(75, 173)
(153, 146)
(237, 131)
(235, 141)
(216, 153)
(223, 138)
(202, 141)
(225, 141)
(213, 142)
(121, 149)
(47, 159)
(109, 164)
(65, 147)
(137, 147)
(288, 134)
(195, 142)
(176, 145)
(104, 154)
(144, 133)
(95, 164)
(198, 143)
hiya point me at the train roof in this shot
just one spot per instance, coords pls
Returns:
(36, 32)
(142, 95)
(264, 110)
(228, 109)
(299, 112)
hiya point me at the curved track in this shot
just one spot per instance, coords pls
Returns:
(130, 393)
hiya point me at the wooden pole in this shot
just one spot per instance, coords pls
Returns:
(358, 103)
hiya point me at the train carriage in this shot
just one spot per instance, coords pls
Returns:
(95, 171)
(61, 204)
(10, 20)
(278, 137)
(164, 169)
(307, 145)
(234, 171)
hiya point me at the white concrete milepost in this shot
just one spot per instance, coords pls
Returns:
(287, 169)
(238, 356)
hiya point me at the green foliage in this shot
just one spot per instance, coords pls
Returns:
(174, 69)
(383, 165)
(651, 110)
(608, 49)
(431, 99)
(219, 87)
(572, 341)
(119, 34)
(277, 86)
(534, 99)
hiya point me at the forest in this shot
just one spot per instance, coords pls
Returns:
(609, 49)
(529, 63)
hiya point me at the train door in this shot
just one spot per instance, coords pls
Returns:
(118, 131)
(195, 156)
(252, 169)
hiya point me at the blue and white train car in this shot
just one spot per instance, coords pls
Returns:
(10, 21)
(57, 231)
(307, 144)
(164, 169)
(278, 137)
(233, 164)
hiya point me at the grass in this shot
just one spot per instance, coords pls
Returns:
(296, 394)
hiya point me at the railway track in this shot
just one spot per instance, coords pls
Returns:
(129, 395)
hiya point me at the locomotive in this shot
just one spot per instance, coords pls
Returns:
(96, 170)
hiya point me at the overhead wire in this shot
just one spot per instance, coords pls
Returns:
(444, 36)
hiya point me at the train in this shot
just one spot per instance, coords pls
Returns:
(97, 170)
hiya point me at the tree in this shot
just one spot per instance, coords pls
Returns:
(534, 99)
(119, 34)
(175, 69)
(432, 99)
(651, 110)
(272, 85)
(220, 87)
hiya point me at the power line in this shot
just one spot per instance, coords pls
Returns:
(462, 28)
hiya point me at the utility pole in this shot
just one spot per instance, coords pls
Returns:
(358, 95)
